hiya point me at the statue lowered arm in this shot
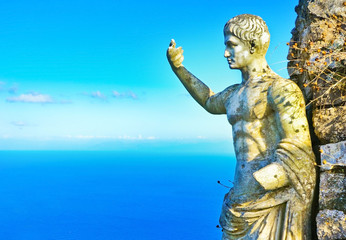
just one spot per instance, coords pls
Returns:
(213, 103)
(294, 160)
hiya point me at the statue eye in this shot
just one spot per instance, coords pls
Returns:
(231, 44)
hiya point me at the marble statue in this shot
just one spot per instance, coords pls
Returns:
(275, 174)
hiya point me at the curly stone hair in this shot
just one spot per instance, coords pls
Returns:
(250, 28)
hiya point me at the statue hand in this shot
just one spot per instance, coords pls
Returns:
(175, 55)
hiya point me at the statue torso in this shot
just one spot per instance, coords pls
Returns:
(255, 132)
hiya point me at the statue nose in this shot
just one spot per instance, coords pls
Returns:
(227, 54)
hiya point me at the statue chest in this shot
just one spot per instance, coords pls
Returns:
(248, 103)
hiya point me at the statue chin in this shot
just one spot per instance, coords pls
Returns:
(232, 66)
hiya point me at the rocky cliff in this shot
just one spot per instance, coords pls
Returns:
(317, 63)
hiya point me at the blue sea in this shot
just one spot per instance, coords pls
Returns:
(67, 195)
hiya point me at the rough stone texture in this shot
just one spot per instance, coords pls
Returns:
(333, 191)
(331, 225)
(317, 63)
(329, 124)
(317, 53)
(332, 179)
(319, 8)
(333, 154)
(331, 221)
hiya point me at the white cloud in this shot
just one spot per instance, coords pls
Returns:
(151, 138)
(128, 94)
(87, 137)
(19, 123)
(139, 137)
(123, 137)
(98, 94)
(201, 137)
(115, 94)
(31, 98)
(65, 102)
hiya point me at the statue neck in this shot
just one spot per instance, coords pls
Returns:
(256, 68)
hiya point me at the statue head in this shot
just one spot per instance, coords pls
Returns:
(252, 30)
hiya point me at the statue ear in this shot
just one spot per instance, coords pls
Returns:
(252, 46)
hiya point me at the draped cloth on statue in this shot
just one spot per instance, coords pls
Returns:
(280, 214)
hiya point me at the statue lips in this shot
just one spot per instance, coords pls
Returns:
(230, 60)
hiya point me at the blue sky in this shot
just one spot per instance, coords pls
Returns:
(94, 75)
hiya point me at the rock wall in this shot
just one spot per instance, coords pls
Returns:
(317, 63)
(331, 218)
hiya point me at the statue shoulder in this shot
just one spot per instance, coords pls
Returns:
(226, 92)
(229, 90)
(281, 87)
(215, 104)
(284, 93)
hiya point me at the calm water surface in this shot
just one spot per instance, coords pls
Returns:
(111, 195)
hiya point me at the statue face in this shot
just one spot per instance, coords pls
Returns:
(237, 52)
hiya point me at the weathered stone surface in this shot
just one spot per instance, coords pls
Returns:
(331, 225)
(331, 221)
(329, 90)
(333, 154)
(330, 124)
(317, 62)
(319, 7)
(333, 191)
(317, 55)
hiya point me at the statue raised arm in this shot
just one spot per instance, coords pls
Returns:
(275, 175)
(213, 103)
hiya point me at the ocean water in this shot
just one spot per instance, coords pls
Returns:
(111, 195)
